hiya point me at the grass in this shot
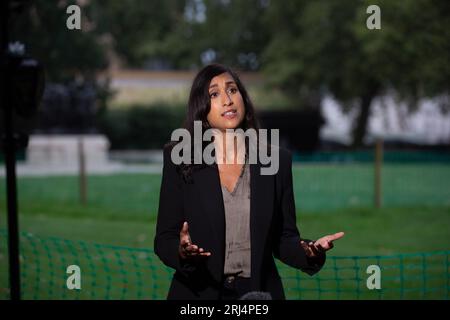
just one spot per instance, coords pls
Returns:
(121, 211)
(121, 272)
(368, 231)
(122, 208)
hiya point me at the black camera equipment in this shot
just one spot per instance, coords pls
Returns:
(21, 87)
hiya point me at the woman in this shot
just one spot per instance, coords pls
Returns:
(220, 225)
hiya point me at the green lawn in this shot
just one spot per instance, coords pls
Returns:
(368, 231)
(121, 211)
(318, 188)
(122, 208)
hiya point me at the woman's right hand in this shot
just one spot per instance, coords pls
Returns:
(187, 248)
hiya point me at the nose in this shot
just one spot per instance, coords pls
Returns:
(227, 100)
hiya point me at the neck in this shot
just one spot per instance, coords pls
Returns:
(229, 146)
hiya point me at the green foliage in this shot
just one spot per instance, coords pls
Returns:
(137, 29)
(140, 127)
(306, 48)
(66, 54)
(236, 31)
(411, 51)
(324, 46)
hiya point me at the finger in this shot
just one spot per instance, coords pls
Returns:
(324, 246)
(185, 242)
(327, 245)
(197, 253)
(314, 249)
(185, 228)
(313, 245)
(192, 253)
(308, 250)
(192, 248)
(188, 250)
(184, 238)
(322, 243)
(336, 236)
(304, 245)
(184, 249)
(320, 247)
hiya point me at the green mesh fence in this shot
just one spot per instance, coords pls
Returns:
(389, 156)
(111, 272)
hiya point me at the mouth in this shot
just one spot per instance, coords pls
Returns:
(229, 113)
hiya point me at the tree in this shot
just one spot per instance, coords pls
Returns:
(66, 54)
(235, 32)
(138, 29)
(204, 31)
(325, 47)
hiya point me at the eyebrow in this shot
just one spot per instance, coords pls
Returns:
(226, 83)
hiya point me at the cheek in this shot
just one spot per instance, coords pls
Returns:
(214, 111)
(239, 101)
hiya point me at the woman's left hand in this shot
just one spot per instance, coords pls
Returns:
(313, 249)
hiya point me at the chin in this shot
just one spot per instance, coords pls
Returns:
(231, 125)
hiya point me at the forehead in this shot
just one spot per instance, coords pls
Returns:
(221, 79)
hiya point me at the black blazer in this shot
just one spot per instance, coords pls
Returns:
(273, 229)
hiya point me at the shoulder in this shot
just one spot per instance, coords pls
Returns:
(168, 164)
(169, 146)
(167, 152)
(284, 173)
(280, 161)
(284, 155)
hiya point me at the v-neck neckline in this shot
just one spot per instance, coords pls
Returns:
(233, 192)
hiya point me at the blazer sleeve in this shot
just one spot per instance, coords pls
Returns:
(287, 237)
(170, 218)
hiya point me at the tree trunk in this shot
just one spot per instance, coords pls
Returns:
(360, 128)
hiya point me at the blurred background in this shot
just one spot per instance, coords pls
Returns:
(366, 113)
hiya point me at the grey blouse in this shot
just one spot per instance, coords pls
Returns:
(237, 222)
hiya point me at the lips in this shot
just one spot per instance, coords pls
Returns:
(229, 112)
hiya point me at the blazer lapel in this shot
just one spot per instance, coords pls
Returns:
(261, 210)
(208, 181)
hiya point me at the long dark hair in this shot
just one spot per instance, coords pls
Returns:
(199, 105)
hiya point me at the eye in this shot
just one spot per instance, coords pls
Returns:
(213, 95)
(233, 90)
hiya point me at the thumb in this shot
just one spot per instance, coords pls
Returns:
(185, 229)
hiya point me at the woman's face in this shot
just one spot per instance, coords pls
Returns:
(227, 106)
